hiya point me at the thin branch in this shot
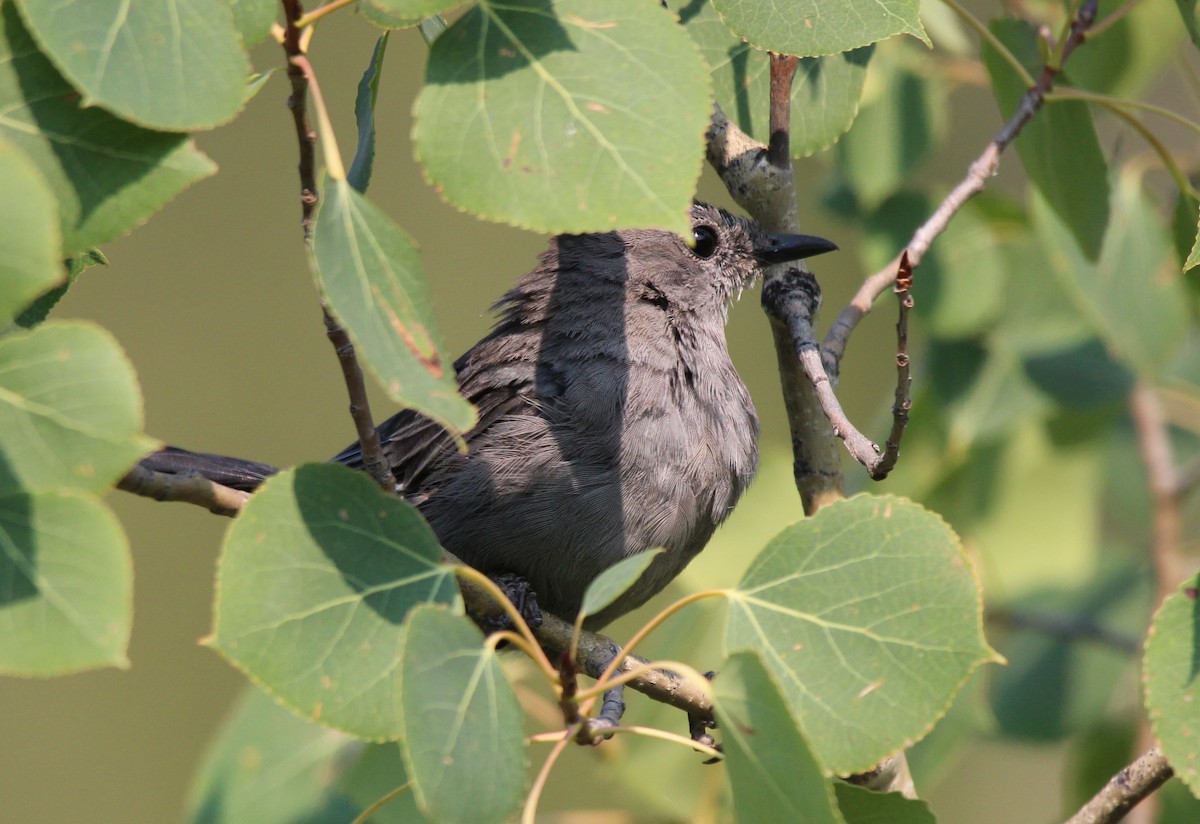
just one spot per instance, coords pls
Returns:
(1125, 790)
(1154, 444)
(783, 71)
(300, 73)
(192, 488)
(374, 463)
(903, 402)
(985, 34)
(1065, 628)
(976, 179)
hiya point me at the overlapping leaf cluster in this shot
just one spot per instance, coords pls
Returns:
(852, 632)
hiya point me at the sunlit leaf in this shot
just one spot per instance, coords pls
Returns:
(612, 583)
(809, 28)
(773, 773)
(371, 273)
(315, 579)
(825, 91)
(869, 616)
(462, 722)
(66, 581)
(30, 242)
(515, 124)
(70, 409)
(1171, 674)
(107, 175)
(176, 65)
(253, 18)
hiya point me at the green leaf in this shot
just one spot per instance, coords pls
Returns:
(1133, 296)
(1055, 687)
(37, 311)
(825, 91)
(954, 307)
(253, 18)
(1058, 147)
(897, 127)
(70, 409)
(107, 175)
(315, 578)
(462, 722)
(175, 65)
(66, 583)
(369, 269)
(1193, 257)
(377, 16)
(270, 767)
(30, 241)
(773, 773)
(869, 616)
(414, 9)
(1189, 10)
(612, 582)
(1171, 675)
(1129, 54)
(377, 773)
(516, 124)
(861, 806)
(359, 175)
(809, 28)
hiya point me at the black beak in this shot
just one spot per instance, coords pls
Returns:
(783, 248)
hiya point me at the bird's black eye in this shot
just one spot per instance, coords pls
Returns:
(704, 241)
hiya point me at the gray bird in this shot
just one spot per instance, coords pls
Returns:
(611, 418)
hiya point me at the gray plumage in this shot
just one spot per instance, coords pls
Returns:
(611, 418)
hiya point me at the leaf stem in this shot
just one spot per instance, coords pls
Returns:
(317, 13)
(531, 646)
(986, 34)
(528, 815)
(366, 814)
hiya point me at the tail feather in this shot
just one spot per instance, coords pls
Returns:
(232, 472)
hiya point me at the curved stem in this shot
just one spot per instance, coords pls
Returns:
(316, 14)
(539, 783)
(652, 625)
(530, 645)
(366, 814)
(986, 34)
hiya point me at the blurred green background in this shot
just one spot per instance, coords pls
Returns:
(213, 302)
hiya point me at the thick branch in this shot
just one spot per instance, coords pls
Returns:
(191, 488)
(1125, 790)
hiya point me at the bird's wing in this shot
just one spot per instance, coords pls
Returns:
(415, 445)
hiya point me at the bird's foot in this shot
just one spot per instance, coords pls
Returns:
(518, 591)
(698, 729)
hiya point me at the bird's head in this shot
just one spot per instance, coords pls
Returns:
(724, 254)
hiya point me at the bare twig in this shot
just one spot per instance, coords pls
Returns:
(903, 403)
(983, 168)
(1125, 790)
(1154, 444)
(1064, 627)
(300, 73)
(191, 488)
(374, 464)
